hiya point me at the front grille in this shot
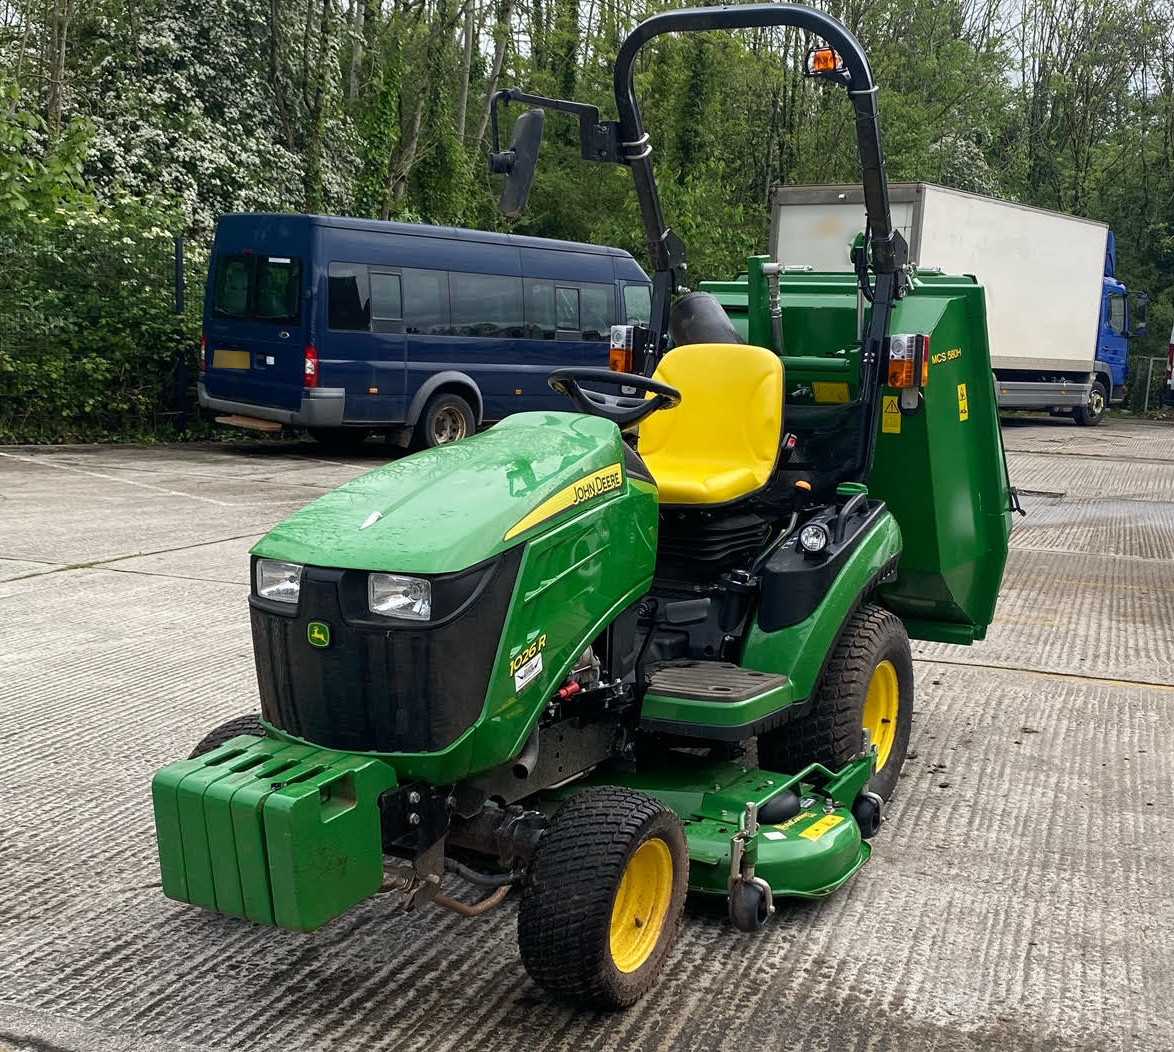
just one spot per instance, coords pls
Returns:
(409, 688)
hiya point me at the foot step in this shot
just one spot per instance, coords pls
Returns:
(711, 681)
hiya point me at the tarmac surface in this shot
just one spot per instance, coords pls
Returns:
(1020, 897)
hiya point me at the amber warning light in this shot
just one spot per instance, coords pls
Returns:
(619, 358)
(908, 366)
(822, 61)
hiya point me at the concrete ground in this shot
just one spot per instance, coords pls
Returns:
(1022, 895)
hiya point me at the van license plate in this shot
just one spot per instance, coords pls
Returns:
(224, 359)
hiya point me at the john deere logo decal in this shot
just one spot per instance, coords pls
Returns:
(318, 633)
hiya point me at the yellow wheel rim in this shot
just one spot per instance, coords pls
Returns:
(880, 710)
(641, 905)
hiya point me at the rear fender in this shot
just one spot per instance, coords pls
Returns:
(800, 650)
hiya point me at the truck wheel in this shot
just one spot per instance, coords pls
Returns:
(1098, 403)
(446, 418)
(603, 903)
(339, 439)
(247, 724)
(867, 685)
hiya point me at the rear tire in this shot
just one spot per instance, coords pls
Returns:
(339, 439)
(868, 682)
(603, 903)
(1098, 405)
(248, 724)
(447, 418)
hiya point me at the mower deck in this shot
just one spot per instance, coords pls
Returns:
(813, 847)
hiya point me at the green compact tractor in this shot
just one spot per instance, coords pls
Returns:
(540, 660)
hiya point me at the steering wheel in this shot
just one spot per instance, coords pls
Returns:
(623, 410)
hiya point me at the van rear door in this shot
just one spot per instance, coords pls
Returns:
(255, 328)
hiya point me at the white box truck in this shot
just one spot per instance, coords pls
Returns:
(1059, 320)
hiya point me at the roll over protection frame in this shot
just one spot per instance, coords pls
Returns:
(627, 142)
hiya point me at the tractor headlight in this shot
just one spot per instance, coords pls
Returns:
(394, 595)
(278, 581)
(813, 538)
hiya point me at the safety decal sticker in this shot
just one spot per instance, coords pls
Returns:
(596, 484)
(890, 415)
(824, 825)
(526, 665)
(963, 405)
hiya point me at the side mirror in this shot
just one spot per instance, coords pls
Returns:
(519, 162)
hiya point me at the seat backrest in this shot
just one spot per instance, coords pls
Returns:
(731, 411)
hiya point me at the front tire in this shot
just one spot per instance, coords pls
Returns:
(447, 418)
(866, 685)
(602, 907)
(1098, 405)
(247, 724)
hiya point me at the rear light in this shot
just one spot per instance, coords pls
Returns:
(311, 369)
(203, 353)
(619, 358)
(908, 361)
(1170, 361)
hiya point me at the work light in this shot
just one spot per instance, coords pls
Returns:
(813, 538)
(278, 581)
(393, 595)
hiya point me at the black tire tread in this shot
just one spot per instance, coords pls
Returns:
(250, 723)
(422, 431)
(565, 913)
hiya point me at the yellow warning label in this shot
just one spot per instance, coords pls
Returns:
(824, 825)
(827, 392)
(890, 416)
(963, 405)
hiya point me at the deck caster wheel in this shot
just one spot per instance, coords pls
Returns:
(750, 904)
(867, 812)
(604, 899)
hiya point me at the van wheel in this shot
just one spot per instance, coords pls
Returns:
(1098, 403)
(339, 439)
(446, 418)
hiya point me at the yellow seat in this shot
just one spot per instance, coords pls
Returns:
(722, 441)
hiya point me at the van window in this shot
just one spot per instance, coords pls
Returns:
(349, 297)
(637, 304)
(266, 288)
(595, 309)
(486, 305)
(1117, 314)
(566, 309)
(386, 302)
(233, 275)
(539, 309)
(279, 280)
(426, 302)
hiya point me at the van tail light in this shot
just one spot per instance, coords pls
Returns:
(311, 368)
(203, 353)
(1170, 361)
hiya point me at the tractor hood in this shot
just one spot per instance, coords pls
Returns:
(450, 508)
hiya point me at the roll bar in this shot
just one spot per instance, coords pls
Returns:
(627, 142)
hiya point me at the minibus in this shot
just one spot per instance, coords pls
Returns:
(348, 327)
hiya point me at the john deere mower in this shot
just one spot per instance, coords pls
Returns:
(655, 644)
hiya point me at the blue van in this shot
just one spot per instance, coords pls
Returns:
(351, 326)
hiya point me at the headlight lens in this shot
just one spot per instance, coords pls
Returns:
(813, 538)
(278, 581)
(393, 595)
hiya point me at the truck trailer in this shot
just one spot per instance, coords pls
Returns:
(1060, 321)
